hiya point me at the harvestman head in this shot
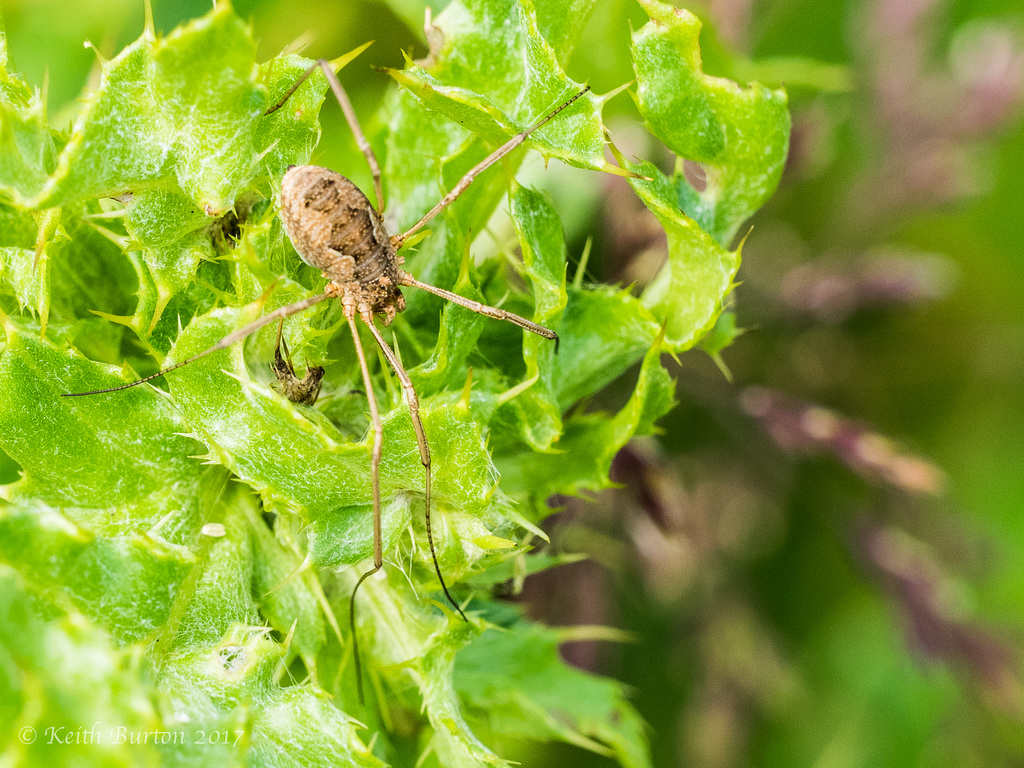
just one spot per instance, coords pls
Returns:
(334, 228)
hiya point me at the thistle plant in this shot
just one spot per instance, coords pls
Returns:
(176, 562)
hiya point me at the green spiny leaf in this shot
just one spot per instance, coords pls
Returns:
(533, 694)
(228, 688)
(687, 294)
(282, 588)
(304, 464)
(61, 672)
(739, 135)
(124, 583)
(130, 457)
(476, 79)
(591, 441)
(112, 500)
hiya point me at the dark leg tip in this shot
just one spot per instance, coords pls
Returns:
(451, 599)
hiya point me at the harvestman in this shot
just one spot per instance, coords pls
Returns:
(335, 229)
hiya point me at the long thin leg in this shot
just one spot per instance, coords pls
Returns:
(412, 401)
(378, 443)
(479, 168)
(498, 314)
(227, 341)
(350, 117)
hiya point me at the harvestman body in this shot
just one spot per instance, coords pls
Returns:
(335, 229)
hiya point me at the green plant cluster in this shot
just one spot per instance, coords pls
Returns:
(178, 563)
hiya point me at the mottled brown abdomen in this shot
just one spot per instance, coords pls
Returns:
(335, 229)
